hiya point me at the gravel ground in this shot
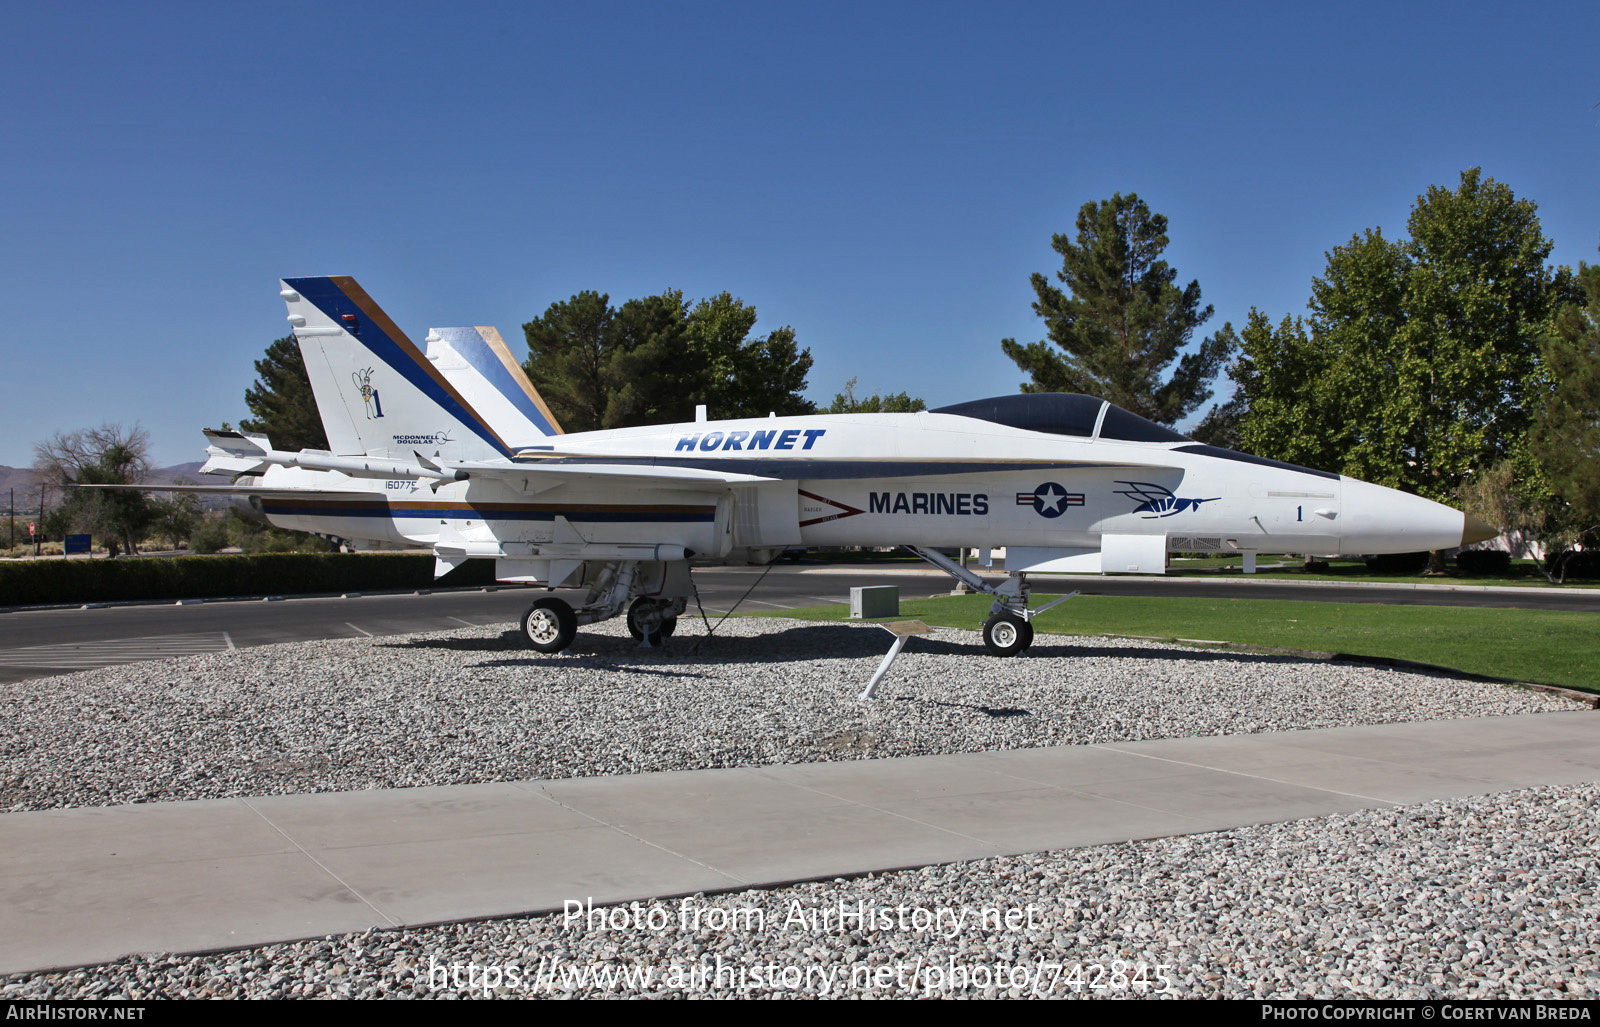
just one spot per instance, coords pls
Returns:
(1485, 897)
(473, 706)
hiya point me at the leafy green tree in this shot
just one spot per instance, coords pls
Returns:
(107, 455)
(1479, 301)
(281, 403)
(735, 375)
(656, 358)
(648, 374)
(1125, 320)
(1513, 497)
(1280, 378)
(1415, 365)
(253, 538)
(846, 402)
(1565, 440)
(1223, 424)
(175, 516)
(210, 534)
(55, 525)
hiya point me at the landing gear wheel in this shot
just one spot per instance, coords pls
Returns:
(549, 626)
(1007, 634)
(640, 615)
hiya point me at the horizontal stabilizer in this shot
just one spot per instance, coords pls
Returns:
(235, 452)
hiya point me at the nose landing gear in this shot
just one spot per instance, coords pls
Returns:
(1006, 634)
(1009, 629)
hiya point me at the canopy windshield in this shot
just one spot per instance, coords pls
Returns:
(1064, 413)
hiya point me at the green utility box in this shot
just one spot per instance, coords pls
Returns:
(869, 602)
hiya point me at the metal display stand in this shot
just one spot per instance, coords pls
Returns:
(901, 630)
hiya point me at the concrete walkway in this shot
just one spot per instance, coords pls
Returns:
(89, 885)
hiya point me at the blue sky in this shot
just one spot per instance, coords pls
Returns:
(882, 177)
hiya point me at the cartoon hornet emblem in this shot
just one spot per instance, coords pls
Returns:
(1156, 501)
(369, 395)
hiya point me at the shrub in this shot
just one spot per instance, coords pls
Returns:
(200, 577)
(1585, 564)
(210, 536)
(1483, 562)
(1398, 563)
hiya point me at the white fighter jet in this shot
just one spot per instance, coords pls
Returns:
(454, 450)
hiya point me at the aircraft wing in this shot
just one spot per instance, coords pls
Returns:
(235, 490)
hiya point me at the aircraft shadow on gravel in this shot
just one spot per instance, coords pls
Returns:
(815, 642)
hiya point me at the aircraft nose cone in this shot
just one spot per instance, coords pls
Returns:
(1474, 530)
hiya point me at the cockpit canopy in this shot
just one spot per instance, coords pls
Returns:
(1065, 413)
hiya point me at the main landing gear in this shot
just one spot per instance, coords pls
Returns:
(651, 620)
(549, 626)
(1009, 629)
(552, 623)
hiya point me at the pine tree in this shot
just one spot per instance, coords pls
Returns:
(281, 402)
(1124, 322)
(570, 353)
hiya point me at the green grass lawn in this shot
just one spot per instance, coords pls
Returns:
(1523, 573)
(1551, 647)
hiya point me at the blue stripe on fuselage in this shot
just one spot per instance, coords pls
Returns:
(456, 513)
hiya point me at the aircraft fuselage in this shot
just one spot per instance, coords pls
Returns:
(923, 479)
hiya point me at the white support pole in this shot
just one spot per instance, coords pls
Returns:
(883, 668)
(901, 630)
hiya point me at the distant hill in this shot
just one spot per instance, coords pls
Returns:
(21, 479)
(191, 471)
(15, 477)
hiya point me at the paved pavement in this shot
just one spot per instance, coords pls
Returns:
(34, 643)
(60, 657)
(88, 885)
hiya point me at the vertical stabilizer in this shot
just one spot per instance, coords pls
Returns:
(377, 394)
(477, 362)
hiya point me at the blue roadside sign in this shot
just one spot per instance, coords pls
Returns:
(77, 544)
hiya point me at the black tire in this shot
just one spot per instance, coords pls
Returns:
(667, 627)
(549, 626)
(1007, 635)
